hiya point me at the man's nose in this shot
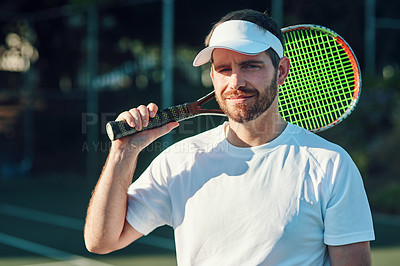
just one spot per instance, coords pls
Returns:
(237, 81)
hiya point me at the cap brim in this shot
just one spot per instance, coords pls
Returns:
(241, 46)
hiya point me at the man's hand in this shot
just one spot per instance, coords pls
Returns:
(139, 118)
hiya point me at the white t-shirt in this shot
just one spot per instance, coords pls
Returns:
(280, 203)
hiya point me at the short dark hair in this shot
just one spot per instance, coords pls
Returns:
(263, 20)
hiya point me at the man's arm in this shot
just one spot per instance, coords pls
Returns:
(106, 229)
(357, 254)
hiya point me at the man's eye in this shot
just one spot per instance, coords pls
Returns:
(223, 70)
(251, 66)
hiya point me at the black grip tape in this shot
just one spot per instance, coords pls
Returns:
(120, 129)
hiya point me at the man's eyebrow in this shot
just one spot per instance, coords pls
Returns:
(248, 62)
(244, 63)
(222, 66)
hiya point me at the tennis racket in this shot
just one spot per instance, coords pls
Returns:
(324, 81)
(321, 90)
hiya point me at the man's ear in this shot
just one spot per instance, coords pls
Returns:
(283, 69)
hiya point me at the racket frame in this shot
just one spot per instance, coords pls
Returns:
(352, 59)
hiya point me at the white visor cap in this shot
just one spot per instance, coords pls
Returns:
(240, 36)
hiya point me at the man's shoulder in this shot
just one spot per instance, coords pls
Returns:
(200, 142)
(314, 144)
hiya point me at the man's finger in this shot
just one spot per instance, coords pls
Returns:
(153, 108)
(144, 115)
(137, 119)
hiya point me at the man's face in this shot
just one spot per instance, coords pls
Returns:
(245, 85)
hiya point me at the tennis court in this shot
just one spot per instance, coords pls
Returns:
(41, 223)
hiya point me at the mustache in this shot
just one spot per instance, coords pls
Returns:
(241, 92)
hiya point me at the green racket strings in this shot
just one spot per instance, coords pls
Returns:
(320, 84)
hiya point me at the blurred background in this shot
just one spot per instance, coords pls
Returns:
(69, 66)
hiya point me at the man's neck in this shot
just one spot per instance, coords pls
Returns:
(259, 131)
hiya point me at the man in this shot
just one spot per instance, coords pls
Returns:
(253, 191)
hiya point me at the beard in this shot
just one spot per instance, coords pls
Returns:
(245, 112)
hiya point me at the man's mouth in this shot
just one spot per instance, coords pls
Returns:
(239, 98)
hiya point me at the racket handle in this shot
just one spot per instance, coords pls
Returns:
(119, 129)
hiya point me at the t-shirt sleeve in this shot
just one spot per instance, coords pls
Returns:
(348, 216)
(149, 204)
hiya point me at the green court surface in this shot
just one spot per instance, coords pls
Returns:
(41, 223)
(389, 256)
